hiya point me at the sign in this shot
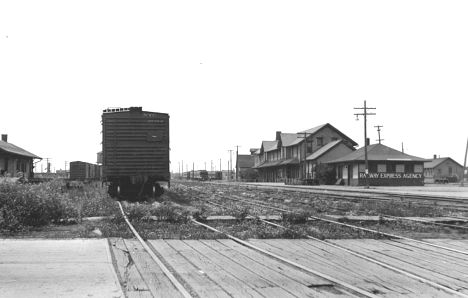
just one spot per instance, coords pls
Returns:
(391, 175)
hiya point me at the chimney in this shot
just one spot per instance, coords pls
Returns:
(4, 138)
(435, 156)
(278, 135)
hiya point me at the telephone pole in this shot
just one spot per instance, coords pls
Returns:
(464, 164)
(365, 114)
(378, 131)
(303, 160)
(230, 164)
(237, 162)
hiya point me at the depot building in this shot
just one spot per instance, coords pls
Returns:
(386, 167)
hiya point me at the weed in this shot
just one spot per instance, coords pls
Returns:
(296, 218)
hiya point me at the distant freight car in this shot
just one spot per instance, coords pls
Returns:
(83, 171)
(135, 152)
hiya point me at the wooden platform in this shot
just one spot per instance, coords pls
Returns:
(224, 268)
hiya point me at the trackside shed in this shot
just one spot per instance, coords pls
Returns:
(387, 167)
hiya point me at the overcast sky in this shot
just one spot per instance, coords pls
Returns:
(233, 72)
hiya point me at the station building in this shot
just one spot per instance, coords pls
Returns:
(386, 166)
(293, 157)
(15, 161)
(442, 168)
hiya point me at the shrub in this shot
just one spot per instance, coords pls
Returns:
(23, 206)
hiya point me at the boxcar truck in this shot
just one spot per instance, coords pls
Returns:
(135, 153)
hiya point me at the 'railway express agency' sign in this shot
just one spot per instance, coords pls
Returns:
(391, 175)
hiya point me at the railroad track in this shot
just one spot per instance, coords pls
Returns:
(388, 264)
(449, 202)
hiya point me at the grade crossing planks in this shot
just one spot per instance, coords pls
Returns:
(158, 283)
(416, 262)
(215, 271)
(344, 266)
(451, 243)
(191, 274)
(310, 285)
(129, 277)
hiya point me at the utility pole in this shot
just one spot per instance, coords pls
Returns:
(182, 168)
(193, 170)
(237, 162)
(220, 167)
(378, 131)
(464, 164)
(303, 158)
(365, 114)
(230, 164)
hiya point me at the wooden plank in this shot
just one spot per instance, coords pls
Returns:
(429, 258)
(401, 261)
(452, 243)
(430, 252)
(130, 278)
(380, 276)
(194, 276)
(346, 267)
(157, 281)
(216, 272)
(448, 253)
(286, 270)
(267, 271)
(245, 275)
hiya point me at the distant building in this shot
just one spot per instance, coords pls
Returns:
(293, 157)
(387, 167)
(245, 164)
(442, 168)
(15, 161)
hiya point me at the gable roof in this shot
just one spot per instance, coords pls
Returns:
(269, 145)
(287, 139)
(245, 161)
(377, 152)
(437, 161)
(323, 150)
(13, 149)
(316, 129)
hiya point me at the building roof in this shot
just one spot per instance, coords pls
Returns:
(316, 129)
(377, 152)
(437, 161)
(245, 161)
(288, 139)
(13, 149)
(323, 150)
(269, 145)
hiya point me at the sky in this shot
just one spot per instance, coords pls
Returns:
(232, 73)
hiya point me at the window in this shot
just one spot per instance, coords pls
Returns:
(381, 168)
(418, 168)
(320, 141)
(450, 171)
(334, 139)
(400, 168)
(362, 167)
(309, 147)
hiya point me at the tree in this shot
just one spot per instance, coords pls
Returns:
(325, 174)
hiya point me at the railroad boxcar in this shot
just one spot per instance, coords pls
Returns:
(83, 171)
(135, 152)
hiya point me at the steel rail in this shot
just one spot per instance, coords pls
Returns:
(297, 265)
(155, 258)
(362, 256)
(360, 228)
(375, 261)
